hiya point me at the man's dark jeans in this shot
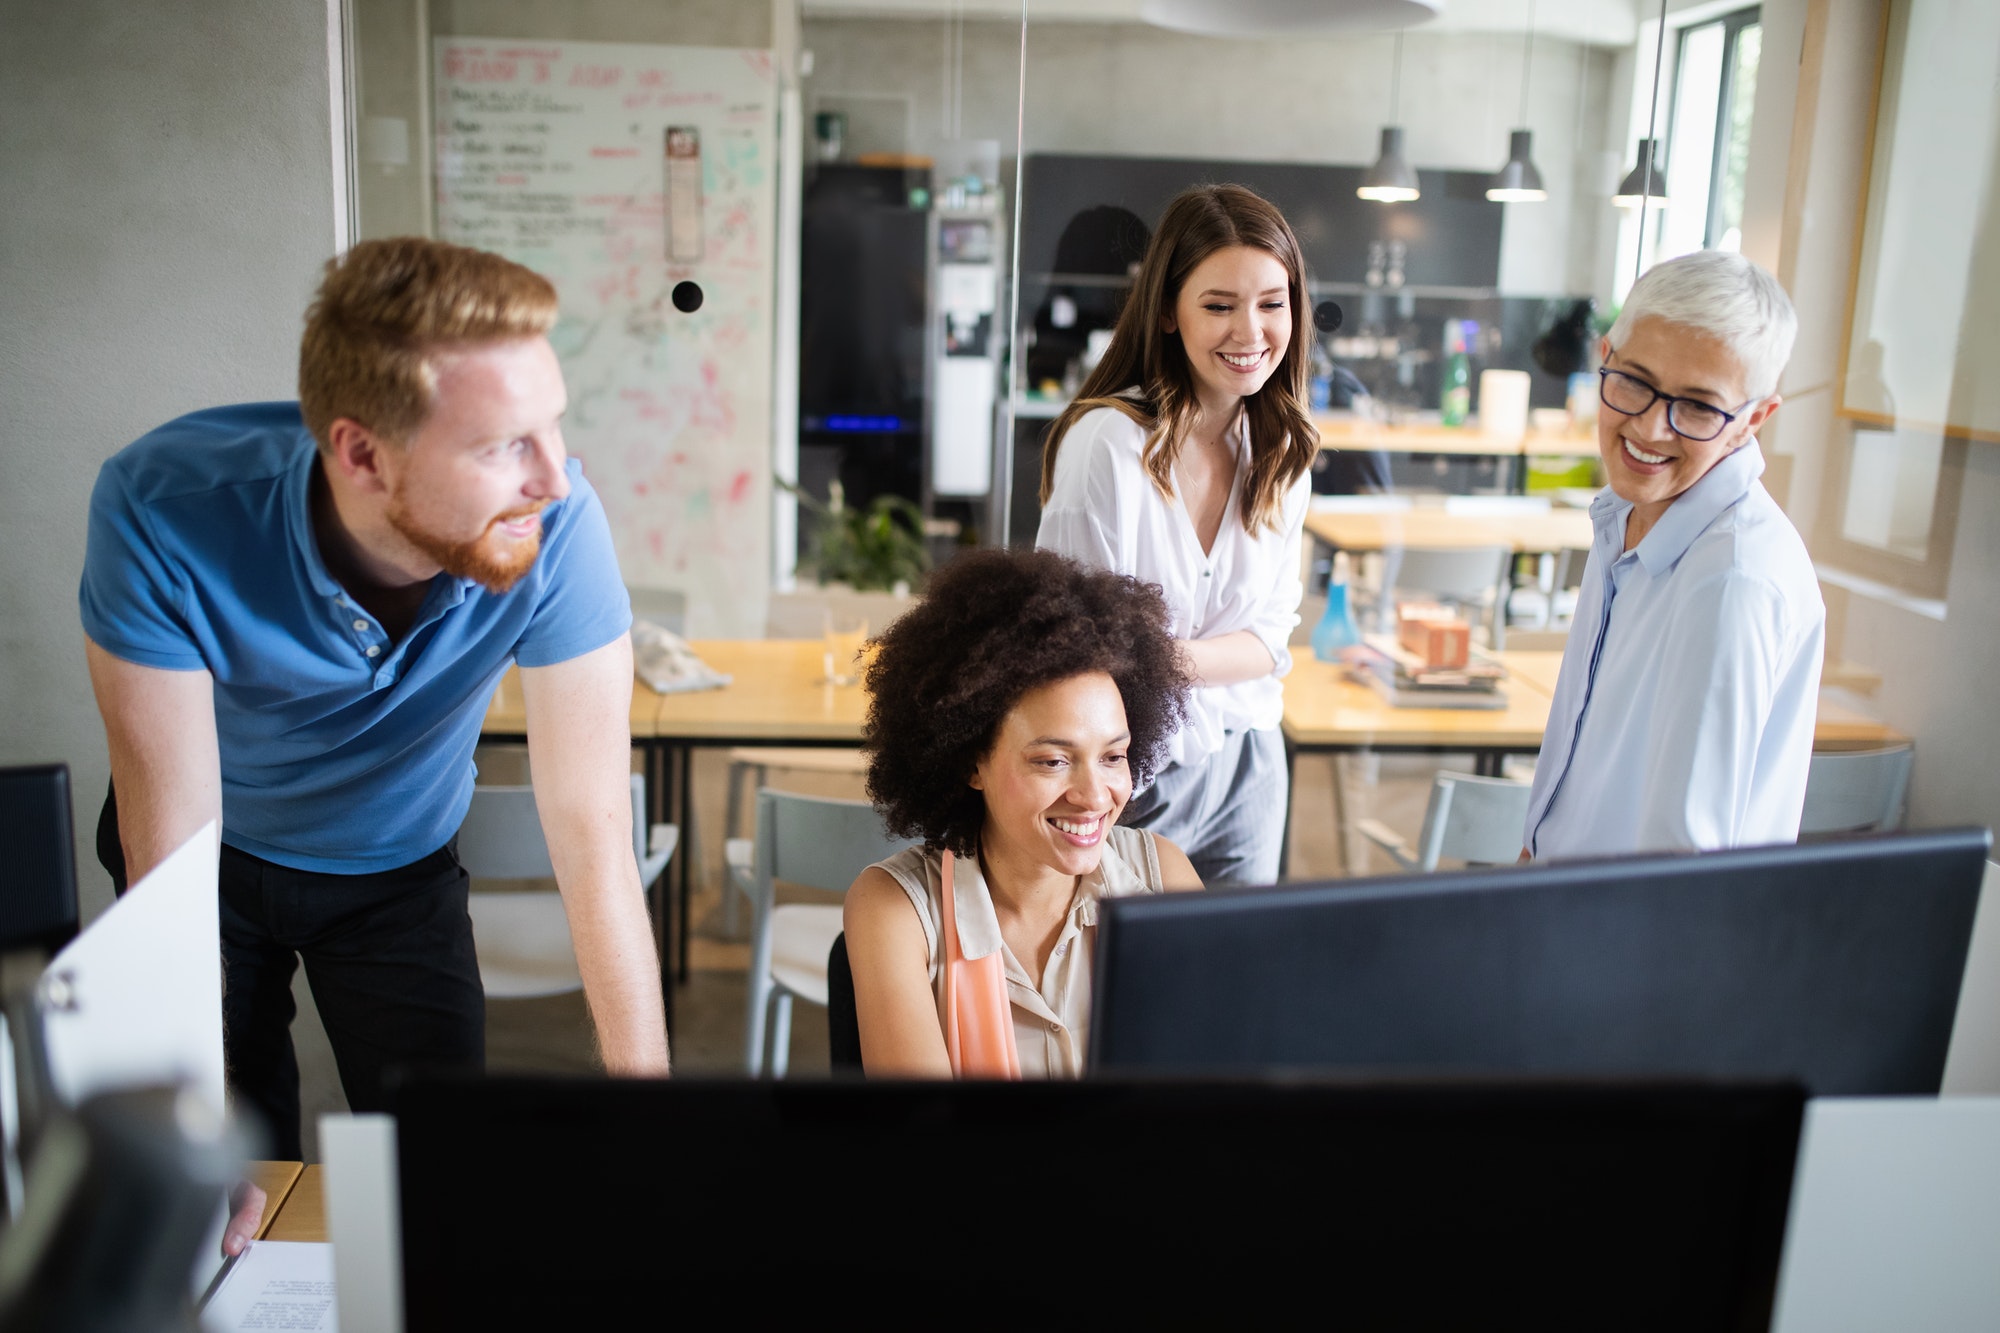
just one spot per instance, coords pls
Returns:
(388, 956)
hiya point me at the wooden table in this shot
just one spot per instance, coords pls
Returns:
(276, 1179)
(302, 1215)
(1328, 713)
(1432, 438)
(1438, 529)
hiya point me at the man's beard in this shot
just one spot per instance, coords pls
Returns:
(491, 560)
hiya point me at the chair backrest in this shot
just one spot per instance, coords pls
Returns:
(802, 614)
(1470, 574)
(1477, 820)
(816, 841)
(665, 607)
(1856, 791)
(501, 837)
(843, 1019)
(38, 907)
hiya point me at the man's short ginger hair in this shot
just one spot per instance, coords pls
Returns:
(386, 308)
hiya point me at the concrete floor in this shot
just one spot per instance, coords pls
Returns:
(554, 1035)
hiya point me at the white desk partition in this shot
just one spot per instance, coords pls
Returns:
(364, 1221)
(1973, 1066)
(1895, 1219)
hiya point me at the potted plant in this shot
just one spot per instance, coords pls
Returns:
(880, 548)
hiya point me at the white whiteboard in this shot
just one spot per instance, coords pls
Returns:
(555, 154)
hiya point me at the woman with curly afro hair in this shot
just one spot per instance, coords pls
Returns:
(1013, 710)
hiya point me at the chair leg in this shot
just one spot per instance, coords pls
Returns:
(732, 823)
(781, 1033)
(755, 1008)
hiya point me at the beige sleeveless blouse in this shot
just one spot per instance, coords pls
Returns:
(1052, 1015)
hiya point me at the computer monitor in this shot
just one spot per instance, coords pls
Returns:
(1837, 964)
(600, 1203)
(38, 907)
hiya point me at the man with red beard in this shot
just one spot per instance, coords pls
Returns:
(296, 615)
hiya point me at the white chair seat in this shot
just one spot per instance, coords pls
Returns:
(524, 946)
(802, 934)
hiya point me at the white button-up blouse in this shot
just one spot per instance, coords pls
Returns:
(1105, 511)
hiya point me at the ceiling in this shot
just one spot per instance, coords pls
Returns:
(1598, 22)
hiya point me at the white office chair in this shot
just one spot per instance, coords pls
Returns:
(794, 615)
(817, 843)
(1856, 791)
(523, 938)
(1471, 578)
(1475, 820)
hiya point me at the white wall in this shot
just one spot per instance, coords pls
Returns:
(1128, 89)
(166, 200)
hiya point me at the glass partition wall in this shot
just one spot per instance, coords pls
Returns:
(785, 236)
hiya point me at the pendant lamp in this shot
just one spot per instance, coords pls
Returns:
(1392, 180)
(1519, 182)
(1645, 182)
(1270, 18)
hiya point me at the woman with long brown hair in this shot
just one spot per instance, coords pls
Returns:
(1185, 462)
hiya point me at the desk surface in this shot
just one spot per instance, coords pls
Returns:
(777, 693)
(507, 715)
(1431, 438)
(1326, 710)
(1527, 533)
(276, 1179)
(302, 1216)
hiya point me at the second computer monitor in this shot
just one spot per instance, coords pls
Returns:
(1837, 964)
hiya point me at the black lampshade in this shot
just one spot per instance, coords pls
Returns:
(1646, 180)
(1392, 180)
(1519, 182)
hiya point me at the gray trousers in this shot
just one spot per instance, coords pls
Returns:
(1226, 812)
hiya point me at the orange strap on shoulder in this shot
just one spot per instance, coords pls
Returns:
(978, 1016)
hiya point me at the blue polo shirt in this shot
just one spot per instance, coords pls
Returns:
(341, 751)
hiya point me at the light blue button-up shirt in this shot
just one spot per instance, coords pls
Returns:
(1683, 717)
(342, 750)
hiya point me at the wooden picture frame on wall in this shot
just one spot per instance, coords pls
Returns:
(1921, 343)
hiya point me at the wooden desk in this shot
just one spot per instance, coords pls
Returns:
(1436, 529)
(507, 715)
(1327, 713)
(303, 1214)
(1432, 438)
(276, 1179)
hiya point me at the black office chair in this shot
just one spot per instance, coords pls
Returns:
(38, 908)
(843, 1023)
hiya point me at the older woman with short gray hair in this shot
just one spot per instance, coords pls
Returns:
(1683, 717)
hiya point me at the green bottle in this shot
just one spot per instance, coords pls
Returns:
(1456, 400)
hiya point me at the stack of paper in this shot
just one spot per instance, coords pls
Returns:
(1402, 678)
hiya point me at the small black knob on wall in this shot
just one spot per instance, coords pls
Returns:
(687, 297)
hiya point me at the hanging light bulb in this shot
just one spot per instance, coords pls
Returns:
(1392, 180)
(1644, 183)
(1519, 182)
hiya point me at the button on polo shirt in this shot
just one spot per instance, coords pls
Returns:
(341, 751)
